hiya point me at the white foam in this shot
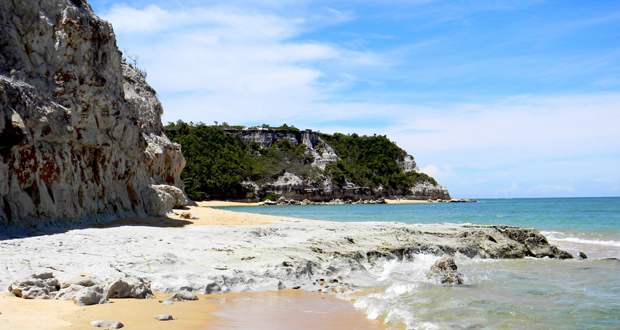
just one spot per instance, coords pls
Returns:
(563, 237)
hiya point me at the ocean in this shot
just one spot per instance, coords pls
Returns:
(497, 294)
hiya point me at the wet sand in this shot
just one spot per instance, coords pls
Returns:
(288, 309)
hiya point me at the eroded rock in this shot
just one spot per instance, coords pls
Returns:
(445, 271)
(91, 295)
(80, 132)
(38, 286)
(128, 287)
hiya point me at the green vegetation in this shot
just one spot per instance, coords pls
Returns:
(370, 161)
(272, 197)
(218, 162)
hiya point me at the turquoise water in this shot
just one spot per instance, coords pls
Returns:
(600, 215)
(498, 294)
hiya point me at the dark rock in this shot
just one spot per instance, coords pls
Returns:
(445, 271)
(582, 255)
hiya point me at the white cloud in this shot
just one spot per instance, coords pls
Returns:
(232, 64)
(513, 187)
(431, 170)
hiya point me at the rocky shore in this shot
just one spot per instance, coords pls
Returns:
(289, 254)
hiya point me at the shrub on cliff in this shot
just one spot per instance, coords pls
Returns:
(217, 163)
(370, 161)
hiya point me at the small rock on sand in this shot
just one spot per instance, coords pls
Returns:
(107, 324)
(185, 295)
(164, 317)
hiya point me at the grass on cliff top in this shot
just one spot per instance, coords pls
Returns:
(218, 163)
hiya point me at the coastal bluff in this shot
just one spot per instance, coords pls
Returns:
(81, 138)
(251, 164)
(321, 155)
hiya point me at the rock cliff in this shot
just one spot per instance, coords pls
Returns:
(320, 187)
(80, 132)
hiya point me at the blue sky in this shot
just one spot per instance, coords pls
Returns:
(511, 98)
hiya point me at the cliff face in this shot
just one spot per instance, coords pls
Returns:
(320, 151)
(320, 187)
(80, 132)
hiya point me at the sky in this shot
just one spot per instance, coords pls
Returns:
(495, 99)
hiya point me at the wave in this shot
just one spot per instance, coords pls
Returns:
(563, 237)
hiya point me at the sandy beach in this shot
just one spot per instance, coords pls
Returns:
(203, 215)
(285, 309)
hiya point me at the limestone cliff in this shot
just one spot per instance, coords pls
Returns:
(320, 186)
(80, 132)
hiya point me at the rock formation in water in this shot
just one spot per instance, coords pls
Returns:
(80, 132)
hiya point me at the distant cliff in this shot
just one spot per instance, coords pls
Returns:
(80, 132)
(236, 163)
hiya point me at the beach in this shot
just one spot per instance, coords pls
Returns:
(273, 271)
(273, 261)
(267, 309)
(285, 309)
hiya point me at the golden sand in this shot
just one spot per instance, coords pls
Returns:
(201, 216)
(286, 309)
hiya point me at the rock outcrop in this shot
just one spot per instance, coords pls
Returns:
(80, 132)
(220, 259)
(320, 188)
(85, 290)
(322, 154)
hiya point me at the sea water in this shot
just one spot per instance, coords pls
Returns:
(497, 294)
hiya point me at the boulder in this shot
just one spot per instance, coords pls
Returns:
(128, 287)
(445, 272)
(92, 295)
(37, 286)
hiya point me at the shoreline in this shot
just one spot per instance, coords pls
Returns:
(219, 251)
(270, 309)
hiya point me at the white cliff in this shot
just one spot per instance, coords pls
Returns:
(79, 141)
